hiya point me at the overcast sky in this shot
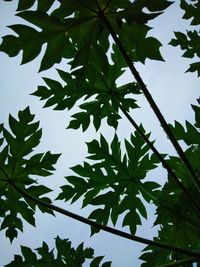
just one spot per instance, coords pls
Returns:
(173, 90)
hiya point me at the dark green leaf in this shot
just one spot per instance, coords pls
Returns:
(120, 178)
(191, 11)
(195, 67)
(139, 46)
(101, 106)
(189, 136)
(31, 41)
(197, 114)
(16, 165)
(190, 43)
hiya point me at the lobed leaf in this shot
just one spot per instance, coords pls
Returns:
(30, 41)
(191, 11)
(75, 30)
(114, 181)
(190, 43)
(16, 167)
(137, 44)
(191, 135)
(98, 97)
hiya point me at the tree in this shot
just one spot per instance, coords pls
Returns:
(113, 179)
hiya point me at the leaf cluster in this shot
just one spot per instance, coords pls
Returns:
(77, 31)
(66, 256)
(190, 42)
(112, 180)
(172, 226)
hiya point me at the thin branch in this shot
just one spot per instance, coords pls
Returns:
(193, 203)
(106, 228)
(151, 101)
(176, 213)
(178, 263)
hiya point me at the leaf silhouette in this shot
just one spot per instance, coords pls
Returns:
(66, 255)
(189, 42)
(41, 5)
(172, 226)
(98, 100)
(82, 37)
(17, 167)
(114, 181)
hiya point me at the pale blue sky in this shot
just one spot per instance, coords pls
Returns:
(173, 90)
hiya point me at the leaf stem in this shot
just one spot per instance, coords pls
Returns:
(86, 6)
(106, 228)
(4, 173)
(151, 101)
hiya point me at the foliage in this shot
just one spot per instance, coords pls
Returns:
(113, 180)
(66, 256)
(16, 168)
(191, 40)
(173, 195)
(102, 105)
(118, 177)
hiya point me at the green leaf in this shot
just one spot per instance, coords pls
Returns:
(171, 224)
(42, 5)
(65, 256)
(30, 41)
(38, 190)
(197, 114)
(11, 233)
(91, 57)
(25, 4)
(100, 216)
(76, 30)
(28, 254)
(16, 166)
(134, 12)
(26, 213)
(191, 11)
(138, 46)
(98, 102)
(155, 256)
(113, 181)
(12, 223)
(190, 43)
(149, 49)
(195, 67)
(189, 136)
(96, 261)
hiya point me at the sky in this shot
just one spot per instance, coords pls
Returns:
(172, 89)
